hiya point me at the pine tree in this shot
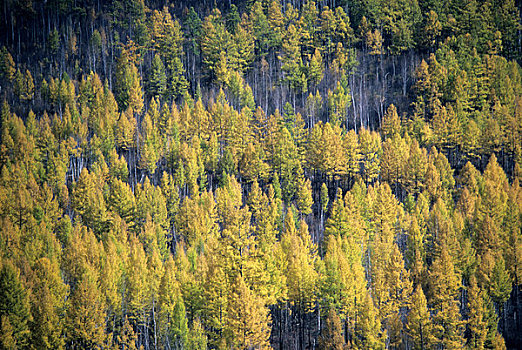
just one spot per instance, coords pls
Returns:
(500, 282)
(149, 141)
(419, 326)
(301, 275)
(14, 307)
(444, 292)
(315, 68)
(158, 78)
(127, 87)
(477, 311)
(304, 196)
(172, 308)
(48, 306)
(86, 314)
(7, 65)
(332, 333)
(197, 340)
(291, 61)
(248, 321)
(368, 333)
(338, 103)
(391, 124)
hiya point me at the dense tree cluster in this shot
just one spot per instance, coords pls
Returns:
(237, 177)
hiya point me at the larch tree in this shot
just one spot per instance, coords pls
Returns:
(419, 326)
(444, 293)
(14, 308)
(127, 85)
(332, 332)
(248, 321)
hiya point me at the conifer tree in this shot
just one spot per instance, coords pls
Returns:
(158, 78)
(248, 323)
(477, 311)
(127, 86)
(14, 308)
(332, 333)
(444, 292)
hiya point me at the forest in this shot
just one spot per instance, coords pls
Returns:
(255, 174)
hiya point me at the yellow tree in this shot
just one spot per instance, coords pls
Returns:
(343, 285)
(248, 322)
(477, 323)
(368, 333)
(391, 124)
(419, 326)
(48, 305)
(304, 196)
(444, 295)
(149, 140)
(86, 312)
(172, 318)
(370, 148)
(301, 276)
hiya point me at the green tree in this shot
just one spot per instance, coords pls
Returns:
(127, 84)
(157, 78)
(7, 65)
(215, 41)
(14, 308)
(338, 104)
(291, 61)
(167, 37)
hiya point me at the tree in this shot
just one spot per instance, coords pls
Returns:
(197, 340)
(248, 323)
(127, 85)
(14, 308)
(370, 148)
(477, 311)
(301, 276)
(419, 326)
(304, 196)
(89, 202)
(158, 78)
(215, 41)
(391, 124)
(48, 305)
(368, 333)
(242, 50)
(315, 68)
(338, 104)
(262, 27)
(291, 61)
(149, 141)
(444, 293)
(343, 285)
(7, 65)
(500, 285)
(332, 333)
(172, 308)
(167, 37)
(86, 314)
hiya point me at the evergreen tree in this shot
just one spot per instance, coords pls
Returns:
(14, 308)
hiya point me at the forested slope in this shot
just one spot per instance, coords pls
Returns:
(252, 174)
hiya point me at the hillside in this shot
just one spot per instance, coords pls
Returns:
(257, 174)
